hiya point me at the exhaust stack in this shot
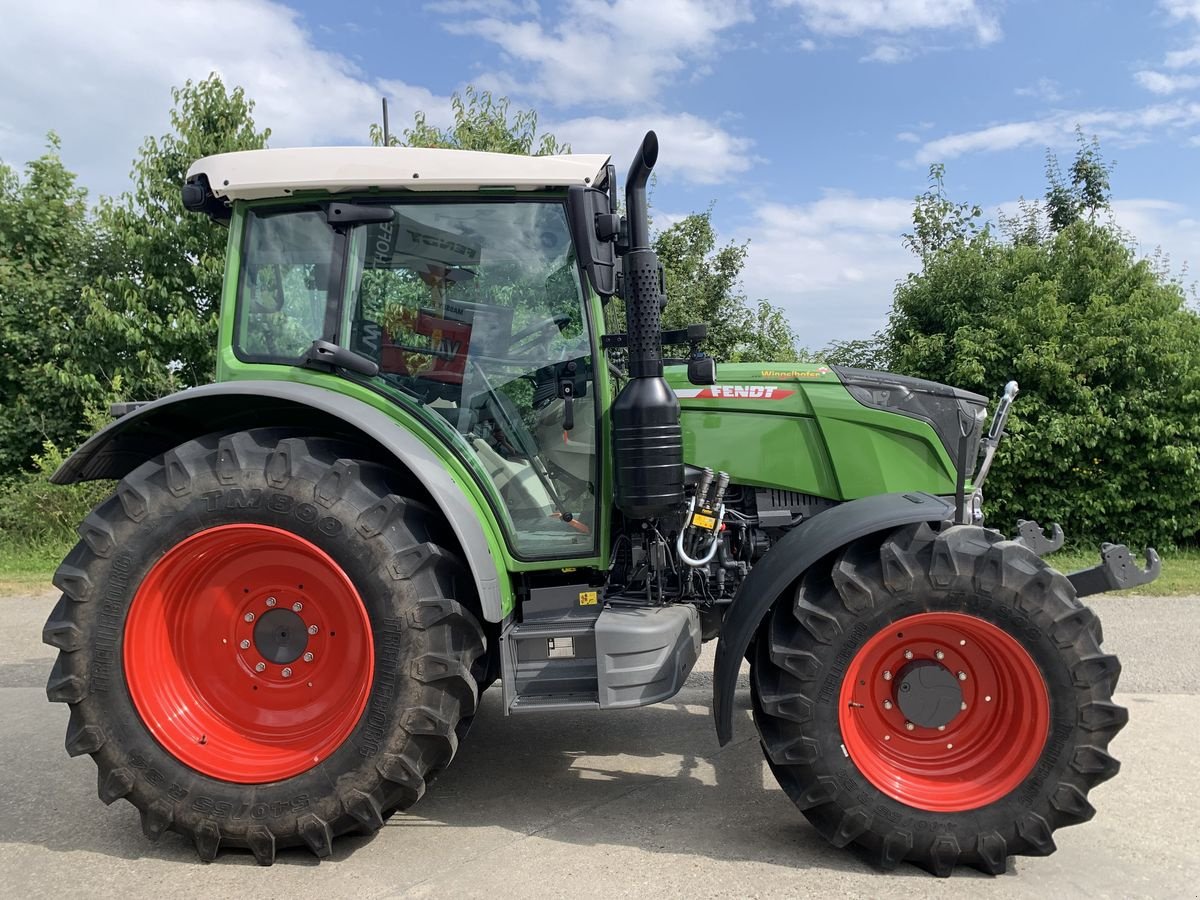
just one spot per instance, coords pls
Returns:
(647, 440)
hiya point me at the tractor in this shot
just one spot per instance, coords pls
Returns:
(427, 466)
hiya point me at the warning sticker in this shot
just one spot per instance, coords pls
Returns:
(708, 523)
(736, 392)
(588, 598)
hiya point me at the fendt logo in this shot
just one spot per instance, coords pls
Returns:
(736, 392)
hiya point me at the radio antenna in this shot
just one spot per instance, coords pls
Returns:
(387, 137)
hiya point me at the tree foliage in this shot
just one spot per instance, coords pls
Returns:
(46, 256)
(481, 122)
(1105, 437)
(703, 285)
(150, 319)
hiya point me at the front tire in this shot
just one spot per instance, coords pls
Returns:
(937, 698)
(263, 645)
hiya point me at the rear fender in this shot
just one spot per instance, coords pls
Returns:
(787, 561)
(155, 428)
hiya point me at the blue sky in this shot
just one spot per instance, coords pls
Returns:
(809, 123)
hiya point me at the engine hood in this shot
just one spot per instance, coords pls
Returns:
(826, 431)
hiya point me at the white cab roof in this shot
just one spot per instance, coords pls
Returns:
(255, 174)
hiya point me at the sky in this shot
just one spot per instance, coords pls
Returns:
(808, 125)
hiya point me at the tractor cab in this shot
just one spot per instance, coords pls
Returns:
(453, 293)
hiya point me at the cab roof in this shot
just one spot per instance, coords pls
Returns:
(258, 174)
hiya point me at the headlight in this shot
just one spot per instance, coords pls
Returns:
(951, 411)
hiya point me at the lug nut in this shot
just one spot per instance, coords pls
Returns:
(909, 726)
(908, 654)
(297, 606)
(887, 675)
(245, 645)
(259, 667)
(287, 672)
(949, 746)
(312, 629)
(987, 699)
(887, 704)
(962, 676)
(271, 601)
(939, 654)
(249, 617)
(308, 657)
(962, 643)
(941, 728)
(887, 737)
(963, 705)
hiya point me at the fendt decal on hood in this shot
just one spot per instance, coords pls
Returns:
(735, 392)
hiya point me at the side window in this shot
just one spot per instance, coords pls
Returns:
(287, 275)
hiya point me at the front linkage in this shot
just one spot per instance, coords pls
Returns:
(1116, 570)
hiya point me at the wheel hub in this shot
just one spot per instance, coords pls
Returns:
(928, 694)
(280, 636)
(944, 711)
(248, 653)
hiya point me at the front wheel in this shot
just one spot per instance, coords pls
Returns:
(262, 645)
(937, 698)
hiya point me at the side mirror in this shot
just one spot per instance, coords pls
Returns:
(593, 228)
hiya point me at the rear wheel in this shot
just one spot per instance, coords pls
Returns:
(262, 645)
(937, 698)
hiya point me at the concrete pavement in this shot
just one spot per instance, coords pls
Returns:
(638, 803)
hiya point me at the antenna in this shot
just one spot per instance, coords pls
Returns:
(387, 137)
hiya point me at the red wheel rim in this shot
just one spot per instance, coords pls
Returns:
(196, 668)
(983, 752)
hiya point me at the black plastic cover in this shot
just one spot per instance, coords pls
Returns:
(953, 412)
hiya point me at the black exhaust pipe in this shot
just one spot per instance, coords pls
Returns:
(647, 440)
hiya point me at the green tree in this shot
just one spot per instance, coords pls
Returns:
(1105, 437)
(703, 285)
(151, 313)
(47, 249)
(481, 122)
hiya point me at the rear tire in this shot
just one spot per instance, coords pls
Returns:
(998, 777)
(166, 573)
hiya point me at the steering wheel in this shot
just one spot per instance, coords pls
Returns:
(536, 335)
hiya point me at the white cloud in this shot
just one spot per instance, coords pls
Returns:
(1183, 59)
(1181, 10)
(1123, 127)
(889, 54)
(831, 264)
(1161, 83)
(1162, 224)
(1045, 89)
(115, 62)
(628, 49)
(691, 148)
(858, 17)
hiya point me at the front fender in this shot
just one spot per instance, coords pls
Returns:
(155, 428)
(787, 561)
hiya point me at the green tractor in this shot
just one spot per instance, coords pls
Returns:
(425, 467)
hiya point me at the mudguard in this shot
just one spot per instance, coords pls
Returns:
(787, 560)
(156, 427)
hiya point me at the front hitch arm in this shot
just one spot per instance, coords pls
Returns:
(1116, 571)
(1032, 536)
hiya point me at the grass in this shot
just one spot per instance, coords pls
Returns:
(26, 569)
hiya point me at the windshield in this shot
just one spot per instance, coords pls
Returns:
(477, 309)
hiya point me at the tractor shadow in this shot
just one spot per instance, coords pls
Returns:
(654, 779)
